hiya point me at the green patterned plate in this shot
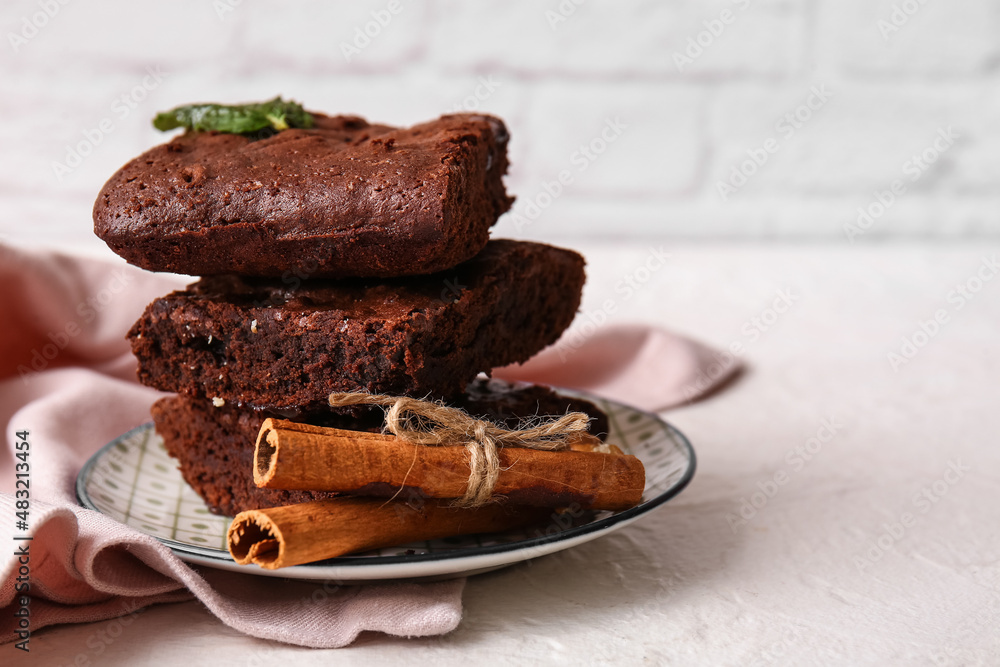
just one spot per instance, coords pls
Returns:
(134, 481)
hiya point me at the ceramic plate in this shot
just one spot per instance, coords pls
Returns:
(134, 481)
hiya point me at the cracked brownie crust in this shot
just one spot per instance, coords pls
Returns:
(342, 199)
(266, 344)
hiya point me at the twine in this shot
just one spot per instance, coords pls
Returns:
(422, 422)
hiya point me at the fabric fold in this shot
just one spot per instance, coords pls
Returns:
(67, 378)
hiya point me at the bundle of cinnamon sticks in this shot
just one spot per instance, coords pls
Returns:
(380, 476)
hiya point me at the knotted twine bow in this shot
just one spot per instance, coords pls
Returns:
(428, 423)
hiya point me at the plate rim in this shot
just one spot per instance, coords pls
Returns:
(360, 565)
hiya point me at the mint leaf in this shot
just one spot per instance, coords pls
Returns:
(275, 115)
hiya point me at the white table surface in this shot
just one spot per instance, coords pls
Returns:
(803, 581)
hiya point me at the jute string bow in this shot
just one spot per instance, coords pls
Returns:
(428, 423)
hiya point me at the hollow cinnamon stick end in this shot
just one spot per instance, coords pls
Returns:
(253, 538)
(265, 453)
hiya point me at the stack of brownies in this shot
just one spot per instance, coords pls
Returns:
(340, 257)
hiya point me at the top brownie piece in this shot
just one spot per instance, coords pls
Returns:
(342, 199)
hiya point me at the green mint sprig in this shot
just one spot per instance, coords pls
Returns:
(275, 115)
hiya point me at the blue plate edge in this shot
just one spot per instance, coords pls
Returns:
(180, 548)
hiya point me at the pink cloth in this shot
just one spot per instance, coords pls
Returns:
(67, 376)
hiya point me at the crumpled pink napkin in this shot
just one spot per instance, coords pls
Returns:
(68, 378)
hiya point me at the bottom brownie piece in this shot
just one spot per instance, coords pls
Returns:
(214, 445)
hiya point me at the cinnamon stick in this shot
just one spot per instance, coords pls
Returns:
(591, 475)
(304, 533)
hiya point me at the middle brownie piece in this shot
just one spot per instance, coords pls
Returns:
(266, 344)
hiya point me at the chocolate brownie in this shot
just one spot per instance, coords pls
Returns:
(510, 403)
(266, 344)
(214, 446)
(342, 199)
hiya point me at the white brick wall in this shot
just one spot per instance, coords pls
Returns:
(557, 79)
(940, 40)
